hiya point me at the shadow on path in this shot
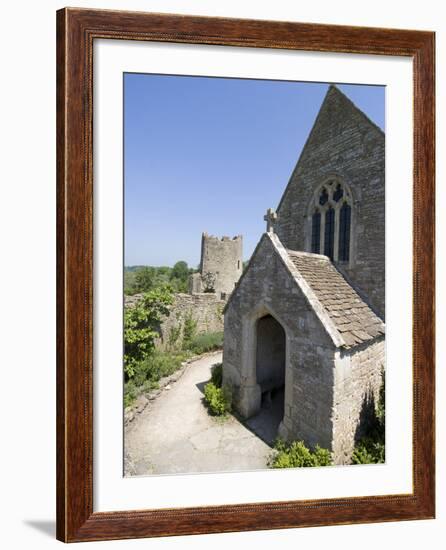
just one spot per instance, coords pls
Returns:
(266, 422)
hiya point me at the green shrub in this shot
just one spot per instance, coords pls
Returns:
(203, 343)
(217, 375)
(322, 457)
(141, 327)
(148, 373)
(297, 455)
(189, 331)
(174, 336)
(130, 393)
(161, 364)
(369, 451)
(219, 400)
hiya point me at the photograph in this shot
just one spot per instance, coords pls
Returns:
(254, 274)
(245, 273)
(220, 305)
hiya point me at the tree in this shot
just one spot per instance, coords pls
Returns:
(179, 276)
(129, 282)
(144, 279)
(180, 271)
(141, 327)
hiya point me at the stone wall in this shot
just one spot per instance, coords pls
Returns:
(330, 392)
(344, 145)
(358, 379)
(266, 288)
(205, 309)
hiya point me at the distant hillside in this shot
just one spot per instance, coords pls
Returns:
(131, 268)
(142, 278)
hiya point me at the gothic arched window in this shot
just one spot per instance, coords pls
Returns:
(344, 232)
(323, 197)
(330, 221)
(339, 193)
(329, 233)
(316, 233)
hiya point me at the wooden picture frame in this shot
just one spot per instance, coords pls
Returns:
(76, 31)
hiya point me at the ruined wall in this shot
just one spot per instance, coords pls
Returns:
(222, 257)
(358, 379)
(346, 146)
(195, 284)
(205, 309)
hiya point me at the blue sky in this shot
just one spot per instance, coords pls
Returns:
(212, 154)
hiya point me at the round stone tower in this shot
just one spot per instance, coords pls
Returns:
(221, 265)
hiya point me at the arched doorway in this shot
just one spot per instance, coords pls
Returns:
(270, 364)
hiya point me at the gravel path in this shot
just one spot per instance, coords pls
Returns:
(175, 433)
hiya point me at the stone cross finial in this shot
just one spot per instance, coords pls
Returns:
(270, 217)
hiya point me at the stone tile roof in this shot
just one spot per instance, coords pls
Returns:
(351, 316)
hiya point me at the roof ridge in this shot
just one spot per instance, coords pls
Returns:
(308, 292)
(346, 317)
(349, 100)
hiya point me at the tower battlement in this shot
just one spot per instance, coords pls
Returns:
(221, 239)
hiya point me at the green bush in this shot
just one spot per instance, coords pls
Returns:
(174, 336)
(369, 451)
(141, 328)
(148, 373)
(297, 455)
(161, 364)
(130, 393)
(219, 400)
(203, 343)
(217, 374)
(189, 331)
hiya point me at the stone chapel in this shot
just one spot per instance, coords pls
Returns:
(307, 315)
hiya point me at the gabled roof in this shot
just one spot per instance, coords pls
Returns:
(352, 317)
(347, 319)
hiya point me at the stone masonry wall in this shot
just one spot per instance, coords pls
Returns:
(205, 309)
(309, 414)
(267, 288)
(345, 145)
(222, 257)
(358, 379)
(330, 392)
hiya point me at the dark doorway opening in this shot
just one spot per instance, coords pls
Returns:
(270, 373)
